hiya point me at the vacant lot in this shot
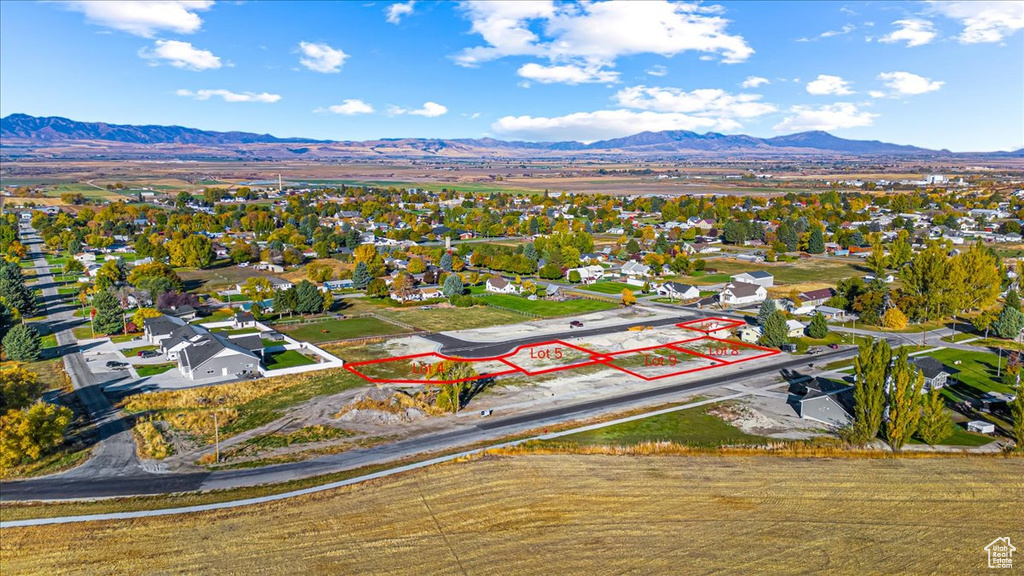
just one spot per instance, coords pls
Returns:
(329, 330)
(542, 307)
(576, 514)
(807, 272)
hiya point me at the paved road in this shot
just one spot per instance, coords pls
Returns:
(468, 349)
(114, 454)
(473, 431)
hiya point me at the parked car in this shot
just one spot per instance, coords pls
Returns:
(575, 324)
(116, 364)
(148, 354)
(833, 346)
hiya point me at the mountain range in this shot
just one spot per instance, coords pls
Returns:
(23, 131)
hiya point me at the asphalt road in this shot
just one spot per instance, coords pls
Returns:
(468, 349)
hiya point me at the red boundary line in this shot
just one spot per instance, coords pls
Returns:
(606, 358)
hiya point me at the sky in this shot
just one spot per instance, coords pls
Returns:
(934, 74)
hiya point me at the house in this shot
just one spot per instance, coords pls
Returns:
(244, 320)
(935, 373)
(553, 292)
(430, 293)
(678, 291)
(214, 356)
(588, 274)
(827, 402)
(334, 285)
(981, 427)
(795, 328)
(750, 333)
(275, 283)
(741, 294)
(499, 285)
(635, 269)
(184, 312)
(161, 327)
(759, 277)
(814, 298)
(830, 313)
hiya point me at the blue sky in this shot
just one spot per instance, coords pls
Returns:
(936, 74)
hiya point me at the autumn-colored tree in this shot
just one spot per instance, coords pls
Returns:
(628, 298)
(894, 319)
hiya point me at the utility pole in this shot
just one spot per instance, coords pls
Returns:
(216, 438)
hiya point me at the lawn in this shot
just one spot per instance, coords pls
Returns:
(440, 319)
(333, 329)
(286, 359)
(806, 270)
(692, 426)
(48, 341)
(154, 369)
(548, 308)
(133, 352)
(568, 514)
(701, 279)
(977, 370)
(961, 437)
(608, 287)
(802, 344)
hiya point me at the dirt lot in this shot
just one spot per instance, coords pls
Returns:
(576, 514)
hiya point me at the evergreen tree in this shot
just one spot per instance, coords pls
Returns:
(446, 262)
(453, 286)
(108, 319)
(773, 331)
(905, 384)
(21, 344)
(361, 277)
(5, 319)
(14, 292)
(768, 308)
(788, 236)
(870, 369)
(819, 326)
(936, 423)
(1009, 323)
(286, 301)
(816, 241)
(530, 252)
(1012, 300)
(308, 300)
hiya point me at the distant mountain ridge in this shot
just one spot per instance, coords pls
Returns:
(55, 130)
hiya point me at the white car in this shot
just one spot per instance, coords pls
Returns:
(243, 265)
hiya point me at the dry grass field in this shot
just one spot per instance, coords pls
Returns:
(563, 514)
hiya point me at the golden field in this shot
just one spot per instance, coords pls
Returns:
(565, 514)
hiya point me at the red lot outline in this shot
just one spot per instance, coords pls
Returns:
(595, 357)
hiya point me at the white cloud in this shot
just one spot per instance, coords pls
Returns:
(144, 18)
(905, 83)
(568, 74)
(349, 107)
(229, 96)
(321, 57)
(657, 70)
(601, 124)
(876, 94)
(754, 82)
(710, 102)
(181, 55)
(597, 33)
(983, 21)
(830, 33)
(429, 109)
(825, 84)
(913, 31)
(827, 117)
(396, 11)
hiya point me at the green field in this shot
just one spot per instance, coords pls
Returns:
(608, 287)
(549, 308)
(132, 352)
(961, 437)
(804, 270)
(154, 369)
(332, 329)
(692, 426)
(285, 359)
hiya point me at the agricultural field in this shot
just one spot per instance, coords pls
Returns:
(710, 514)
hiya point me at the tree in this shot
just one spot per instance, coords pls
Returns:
(27, 435)
(767, 309)
(550, 271)
(108, 276)
(936, 423)
(194, 251)
(1009, 324)
(416, 266)
(257, 288)
(108, 319)
(142, 314)
(894, 319)
(309, 300)
(14, 292)
(319, 272)
(877, 261)
(1012, 300)
(818, 327)
(449, 396)
(361, 276)
(773, 331)
(574, 276)
(155, 275)
(816, 241)
(904, 390)
(73, 267)
(1017, 412)
(453, 286)
(628, 299)
(19, 388)
(21, 344)
(446, 262)
(870, 371)
(377, 288)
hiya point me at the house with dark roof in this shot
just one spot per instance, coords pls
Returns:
(214, 356)
(816, 297)
(828, 402)
(936, 374)
(244, 319)
(500, 285)
(161, 327)
(759, 277)
(678, 291)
